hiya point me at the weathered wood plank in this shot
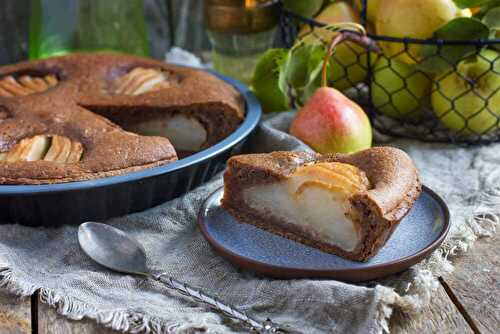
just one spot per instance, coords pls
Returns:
(476, 284)
(441, 316)
(15, 314)
(49, 322)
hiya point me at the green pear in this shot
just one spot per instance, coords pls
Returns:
(306, 8)
(414, 19)
(468, 100)
(349, 63)
(265, 81)
(398, 89)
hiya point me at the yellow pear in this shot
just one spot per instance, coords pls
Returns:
(413, 19)
(467, 100)
(399, 90)
(349, 63)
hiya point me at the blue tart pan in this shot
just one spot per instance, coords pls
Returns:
(100, 199)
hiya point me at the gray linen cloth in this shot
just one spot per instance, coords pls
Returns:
(50, 259)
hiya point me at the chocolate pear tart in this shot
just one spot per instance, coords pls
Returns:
(348, 205)
(87, 116)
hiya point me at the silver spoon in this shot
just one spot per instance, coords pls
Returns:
(115, 250)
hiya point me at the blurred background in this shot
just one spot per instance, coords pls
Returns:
(434, 77)
(168, 22)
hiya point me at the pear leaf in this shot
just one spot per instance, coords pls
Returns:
(295, 66)
(492, 18)
(314, 81)
(282, 80)
(439, 58)
(470, 3)
(265, 80)
(298, 73)
(293, 72)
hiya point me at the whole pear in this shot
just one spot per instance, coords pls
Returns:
(332, 123)
(399, 90)
(265, 81)
(306, 8)
(348, 65)
(413, 19)
(468, 100)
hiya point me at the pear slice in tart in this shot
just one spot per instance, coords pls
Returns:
(29, 149)
(38, 84)
(185, 132)
(347, 205)
(140, 80)
(26, 85)
(64, 150)
(14, 88)
(324, 172)
(75, 153)
(54, 148)
(348, 171)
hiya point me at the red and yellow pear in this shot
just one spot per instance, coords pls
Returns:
(330, 122)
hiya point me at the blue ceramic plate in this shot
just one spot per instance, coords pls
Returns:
(248, 247)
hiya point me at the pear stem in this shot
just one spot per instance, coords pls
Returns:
(356, 34)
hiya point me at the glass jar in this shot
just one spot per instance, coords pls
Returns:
(240, 31)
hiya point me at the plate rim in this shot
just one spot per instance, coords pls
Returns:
(249, 124)
(378, 270)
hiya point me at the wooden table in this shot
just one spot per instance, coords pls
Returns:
(468, 301)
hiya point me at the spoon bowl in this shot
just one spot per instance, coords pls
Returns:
(112, 248)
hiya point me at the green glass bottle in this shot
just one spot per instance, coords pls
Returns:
(64, 26)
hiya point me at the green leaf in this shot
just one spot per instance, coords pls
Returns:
(299, 71)
(282, 80)
(437, 59)
(492, 18)
(471, 3)
(314, 81)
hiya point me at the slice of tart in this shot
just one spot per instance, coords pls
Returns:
(347, 205)
(193, 109)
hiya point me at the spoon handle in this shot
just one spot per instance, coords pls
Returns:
(265, 327)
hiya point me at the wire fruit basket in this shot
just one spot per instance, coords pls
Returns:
(436, 90)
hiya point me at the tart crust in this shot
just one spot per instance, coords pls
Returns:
(395, 186)
(81, 106)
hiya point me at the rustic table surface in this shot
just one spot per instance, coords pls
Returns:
(468, 301)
